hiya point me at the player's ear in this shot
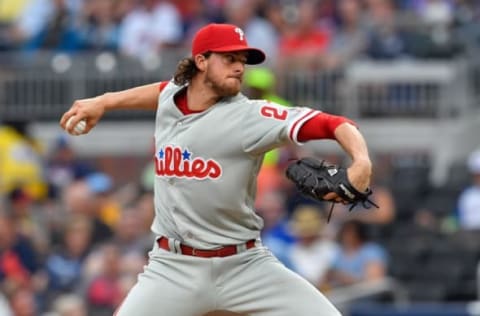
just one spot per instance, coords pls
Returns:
(200, 62)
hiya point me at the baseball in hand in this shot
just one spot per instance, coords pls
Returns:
(79, 128)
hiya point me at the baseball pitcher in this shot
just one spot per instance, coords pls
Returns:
(210, 141)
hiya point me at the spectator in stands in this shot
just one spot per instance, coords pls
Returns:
(386, 41)
(69, 305)
(23, 303)
(276, 234)
(28, 219)
(469, 200)
(260, 32)
(194, 15)
(104, 200)
(274, 12)
(436, 12)
(311, 254)
(153, 24)
(80, 199)
(10, 11)
(99, 29)
(49, 25)
(18, 260)
(350, 38)
(64, 167)
(122, 8)
(260, 83)
(436, 18)
(302, 49)
(466, 25)
(129, 235)
(303, 45)
(357, 260)
(271, 175)
(132, 264)
(30, 21)
(65, 263)
(145, 210)
(105, 292)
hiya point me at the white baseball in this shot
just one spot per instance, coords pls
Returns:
(79, 128)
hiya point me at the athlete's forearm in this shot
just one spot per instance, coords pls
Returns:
(353, 143)
(143, 97)
(360, 171)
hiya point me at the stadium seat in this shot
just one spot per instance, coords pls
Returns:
(421, 291)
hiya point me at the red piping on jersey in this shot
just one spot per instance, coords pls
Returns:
(182, 104)
(162, 86)
(298, 121)
(321, 126)
(180, 100)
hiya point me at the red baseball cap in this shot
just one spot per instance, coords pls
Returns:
(222, 38)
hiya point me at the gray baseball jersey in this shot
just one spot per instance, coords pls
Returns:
(206, 166)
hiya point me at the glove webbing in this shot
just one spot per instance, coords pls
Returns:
(364, 204)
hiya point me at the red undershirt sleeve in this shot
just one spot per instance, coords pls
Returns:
(321, 126)
(162, 85)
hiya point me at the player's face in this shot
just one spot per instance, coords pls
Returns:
(224, 73)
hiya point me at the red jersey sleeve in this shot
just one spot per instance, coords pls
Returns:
(321, 126)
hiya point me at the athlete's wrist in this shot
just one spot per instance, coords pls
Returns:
(107, 101)
(362, 163)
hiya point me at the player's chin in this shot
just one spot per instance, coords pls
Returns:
(232, 88)
(237, 81)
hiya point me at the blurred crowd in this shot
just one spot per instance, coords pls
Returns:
(71, 242)
(73, 238)
(323, 34)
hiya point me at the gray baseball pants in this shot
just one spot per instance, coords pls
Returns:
(252, 283)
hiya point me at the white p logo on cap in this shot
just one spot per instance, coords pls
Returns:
(240, 33)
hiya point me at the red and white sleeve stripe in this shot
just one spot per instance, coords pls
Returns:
(294, 126)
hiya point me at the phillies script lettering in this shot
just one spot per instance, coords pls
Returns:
(172, 161)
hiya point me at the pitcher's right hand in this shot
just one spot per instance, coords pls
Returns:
(91, 110)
